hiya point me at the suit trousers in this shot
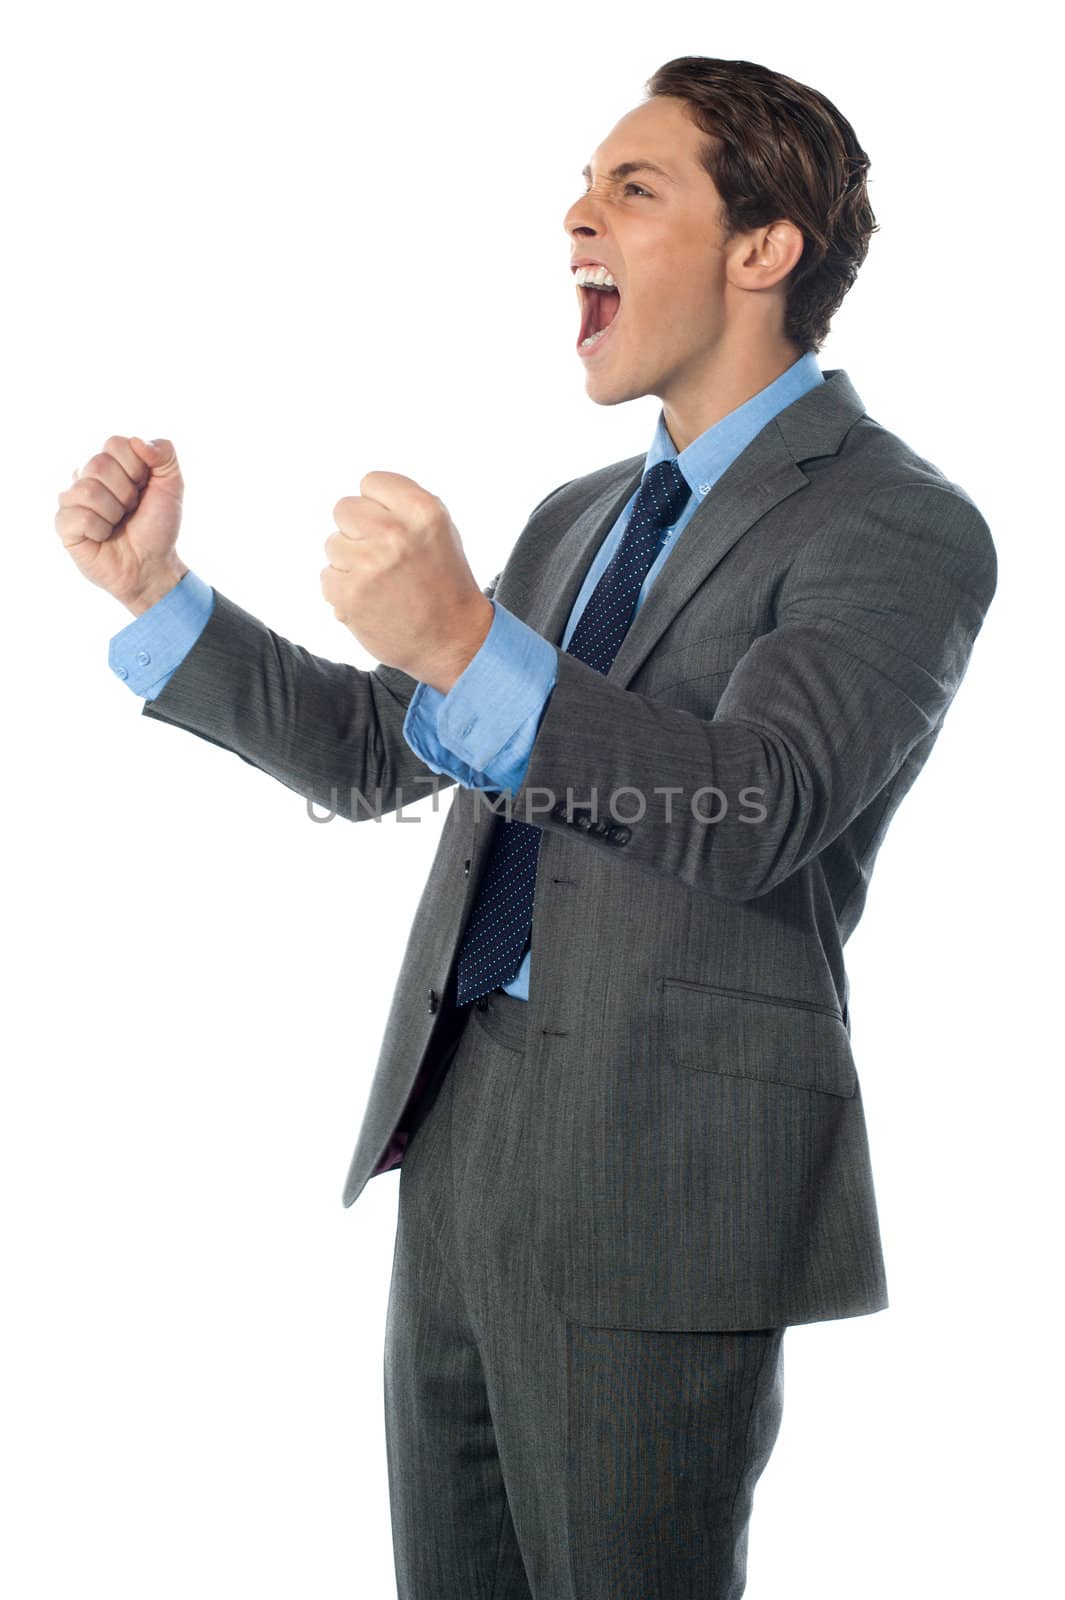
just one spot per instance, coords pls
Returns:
(531, 1457)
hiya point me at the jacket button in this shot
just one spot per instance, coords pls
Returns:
(434, 999)
(620, 835)
(466, 868)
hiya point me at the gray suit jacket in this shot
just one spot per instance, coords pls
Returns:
(711, 810)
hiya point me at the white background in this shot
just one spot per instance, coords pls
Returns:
(306, 243)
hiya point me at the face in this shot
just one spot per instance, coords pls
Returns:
(657, 233)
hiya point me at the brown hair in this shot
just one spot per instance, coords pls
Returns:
(777, 150)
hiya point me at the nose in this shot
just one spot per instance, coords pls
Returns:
(583, 217)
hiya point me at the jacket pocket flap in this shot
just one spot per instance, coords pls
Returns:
(767, 1037)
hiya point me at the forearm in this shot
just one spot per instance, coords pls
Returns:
(330, 731)
(815, 721)
(719, 805)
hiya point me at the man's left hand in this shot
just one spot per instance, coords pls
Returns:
(399, 579)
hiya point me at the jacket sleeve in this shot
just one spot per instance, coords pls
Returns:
(330, 731)
(875, 622)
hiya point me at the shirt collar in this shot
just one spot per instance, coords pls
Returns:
(704, 460)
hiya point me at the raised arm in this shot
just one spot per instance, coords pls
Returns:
(330, 731)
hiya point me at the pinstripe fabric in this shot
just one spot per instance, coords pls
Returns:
(531, 1457)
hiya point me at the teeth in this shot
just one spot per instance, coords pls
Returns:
(593, 337)
(594, 278)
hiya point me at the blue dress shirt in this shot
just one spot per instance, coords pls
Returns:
(481, 732)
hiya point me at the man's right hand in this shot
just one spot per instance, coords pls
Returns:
(120, 517)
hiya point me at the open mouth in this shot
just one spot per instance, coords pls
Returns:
(599, 310)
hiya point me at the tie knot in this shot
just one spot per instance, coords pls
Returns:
(667, 488)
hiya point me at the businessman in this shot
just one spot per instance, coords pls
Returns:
(616, 1076)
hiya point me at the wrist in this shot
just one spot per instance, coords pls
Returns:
(444, 676)
(154, 588)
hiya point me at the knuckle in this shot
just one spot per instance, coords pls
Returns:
(433, 514)
(73, 520)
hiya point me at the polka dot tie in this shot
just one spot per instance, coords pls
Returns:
(493, 943)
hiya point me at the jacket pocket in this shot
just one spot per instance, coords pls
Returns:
(742, 1034)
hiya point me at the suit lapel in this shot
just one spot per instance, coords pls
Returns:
(737, 500)
(546, 599)
(735, 503)
(766, 472)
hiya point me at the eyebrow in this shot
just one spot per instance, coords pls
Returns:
(625, 167)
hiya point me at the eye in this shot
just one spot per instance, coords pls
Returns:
(638, 186)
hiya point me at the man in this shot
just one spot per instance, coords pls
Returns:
(616, 1076)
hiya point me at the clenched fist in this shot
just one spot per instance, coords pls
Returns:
(399, 579)
(120, 517)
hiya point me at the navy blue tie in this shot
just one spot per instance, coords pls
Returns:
(493, 943)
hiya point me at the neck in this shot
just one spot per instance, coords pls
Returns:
(700, 400)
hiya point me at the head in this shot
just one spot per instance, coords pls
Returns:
(732, 243)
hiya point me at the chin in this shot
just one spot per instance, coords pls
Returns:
(612, 390)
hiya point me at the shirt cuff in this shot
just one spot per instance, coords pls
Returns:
(482, 731)
(505, 684)
(148, 651)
